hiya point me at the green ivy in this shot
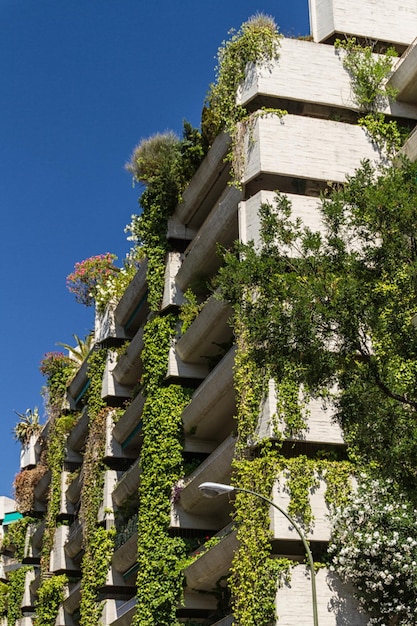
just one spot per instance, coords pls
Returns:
(95, 566)
(16, 589)
(16, 536)
(50, 596)
(59, 429)
(4, 596)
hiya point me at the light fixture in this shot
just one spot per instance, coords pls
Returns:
(212, 490)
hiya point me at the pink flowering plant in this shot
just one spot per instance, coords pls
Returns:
(90, 275)
(374, 548)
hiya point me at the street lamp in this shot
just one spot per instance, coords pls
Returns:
(212, 490)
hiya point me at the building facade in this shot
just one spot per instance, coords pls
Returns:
(117, 520)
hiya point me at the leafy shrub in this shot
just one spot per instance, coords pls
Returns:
(90, 274)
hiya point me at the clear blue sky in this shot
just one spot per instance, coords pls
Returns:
(82, 81)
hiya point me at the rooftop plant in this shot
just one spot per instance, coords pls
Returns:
(27, 426)
(90, 274)
(257, 41)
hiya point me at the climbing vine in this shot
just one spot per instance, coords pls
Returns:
(15, 594)
(50, 596)
(98, 543)
(16, 536)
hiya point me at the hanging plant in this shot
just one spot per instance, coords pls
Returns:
(89, 275)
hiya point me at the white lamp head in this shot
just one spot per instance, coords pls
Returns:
(212, 490)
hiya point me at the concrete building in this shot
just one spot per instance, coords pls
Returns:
(317, 141)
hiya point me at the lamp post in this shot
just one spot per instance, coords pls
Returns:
(212, 490)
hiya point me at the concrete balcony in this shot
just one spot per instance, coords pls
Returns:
(29, 453)
(74, 539)
(61, 562)
(308, 79)
(335, 602)
(128, 430)
(385, 21)
(64, 619)
(78, 386)
(128, 369)
(209, 416)
(201, 258)
(205, 571)
(206, 185)
(125, 557)
(106, 330)
(404, 76)
(186, 372)
(193, 504)
(128, 484)
(111, 391)
(410, 146)
(207, 333)
(320, 425)
(296, 147)
(73, 492)
(125, 613)
(132, 310)
(78, 435)
(42, 487)
(37, 537)
(72, 597)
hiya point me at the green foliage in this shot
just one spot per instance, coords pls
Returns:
(301, 481)
(189, 310)
(257, 41)
(59, 430)
(95, 371)
(83, 348)
(165, 164)
(291, 403)
(16, 536)
(58, 369)
(50, 596)
(368, 72)
(95, 565)
(157, 337)
(159, 580)
(16, 589)
(353, 288)
(387, 135)
(4, 596)
(254, 574)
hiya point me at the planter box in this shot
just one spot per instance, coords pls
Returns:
(125, 557)
(74, 539)
(29, 454)
(215, 468)
(206, 185)
(72, 597)
(111, 390)
(128, 369)
(106, 513)
(106, 329)
(28, 600)
(307, 76)
(125, 613)
(203, 573)
(78, 435)
(201, 258)
(382, 20)
(60, 561)
(305, 148)
(320, 427)
(130, 421)
(185, 371)
(78, 386)
(208, 331)
(335, 602)
(128, 485)
(404, 77)
(209, 416)
(132, 309)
